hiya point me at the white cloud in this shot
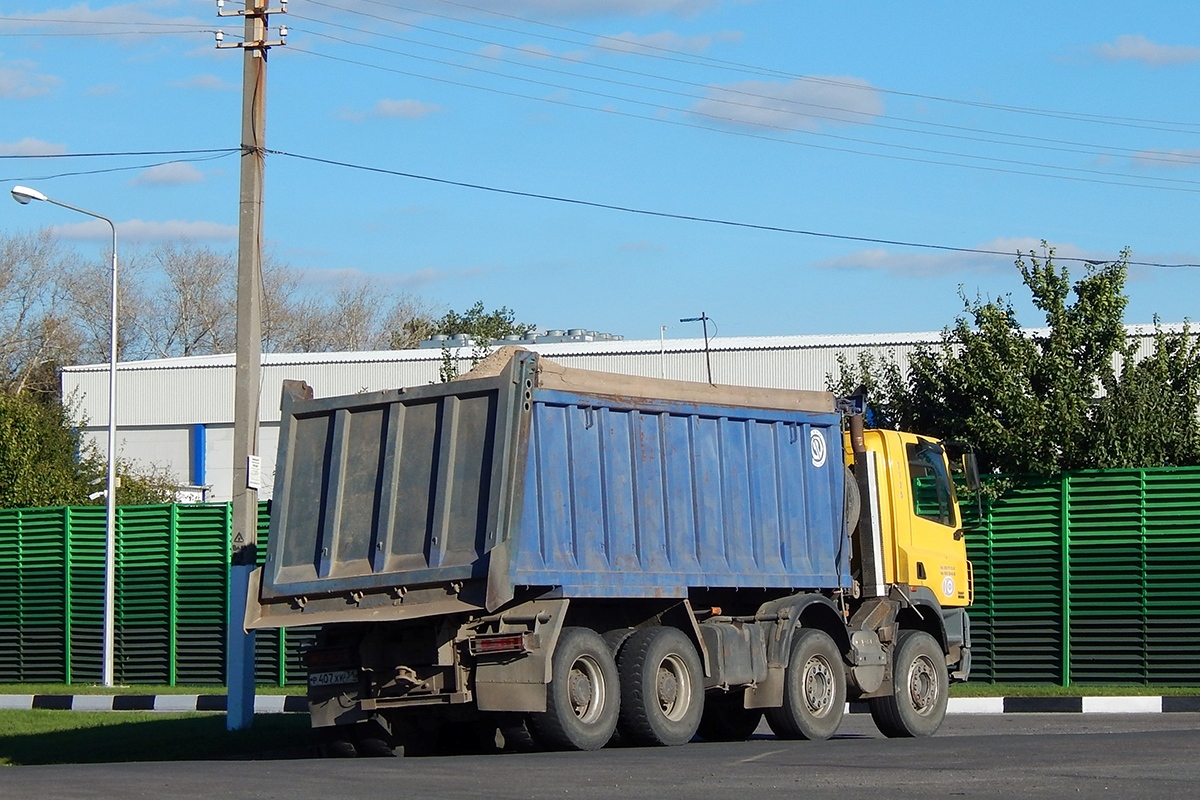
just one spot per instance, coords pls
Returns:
(642, 247)
(209, 82)
(176, 173)
(1139, 48)
(664, 40)
(19, 80)
(392, 109)
(31, 147)
(137, 230)
(557, 9)
(805, 104)
(1167, 159)
(619, 44)
(409, 281)
(406, 109)
(924, 263)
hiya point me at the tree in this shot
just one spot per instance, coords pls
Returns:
(1074, 397)
(45, 462)
(35, 332)
(481, 327)
(40, 463)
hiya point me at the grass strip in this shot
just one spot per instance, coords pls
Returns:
(82, 737)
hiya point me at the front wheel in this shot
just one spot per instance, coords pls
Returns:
(583, 697)
(814, 693)
(917, 704)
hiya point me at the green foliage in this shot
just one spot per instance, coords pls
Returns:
(481, 325)
(484, 327)
(40, 455)
(44, 461)
(1073, 397)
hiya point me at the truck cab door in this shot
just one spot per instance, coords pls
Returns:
(933, 554)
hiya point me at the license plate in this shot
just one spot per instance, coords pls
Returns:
(333, 678)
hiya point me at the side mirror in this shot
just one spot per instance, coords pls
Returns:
(971, 470)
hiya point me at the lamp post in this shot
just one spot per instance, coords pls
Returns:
(23, 195)
(703, 318)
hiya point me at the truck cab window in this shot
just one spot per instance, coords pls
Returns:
(932, 492)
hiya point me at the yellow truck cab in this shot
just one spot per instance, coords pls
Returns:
(921, 525)
(910, 536)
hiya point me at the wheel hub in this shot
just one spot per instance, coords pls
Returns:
(668, 688)
(818, 685)
(922, 685)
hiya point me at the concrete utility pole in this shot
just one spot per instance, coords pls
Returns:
(239, 653)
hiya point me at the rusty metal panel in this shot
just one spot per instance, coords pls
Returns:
(394, 488)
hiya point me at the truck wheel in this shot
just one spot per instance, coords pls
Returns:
(725, 719)
(583, 696)
(917, 704)
(662, 688)
(814, 692)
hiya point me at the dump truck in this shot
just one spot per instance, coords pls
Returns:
(574, 557)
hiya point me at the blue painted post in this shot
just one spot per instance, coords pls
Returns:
(239, 653)
(199, 457)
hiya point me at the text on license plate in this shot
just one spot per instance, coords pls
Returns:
(333, 678)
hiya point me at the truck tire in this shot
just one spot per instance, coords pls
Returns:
(583, 696)
(814, 692)
(851, 502)
(917, 704)
(726, 719)
(662, 687)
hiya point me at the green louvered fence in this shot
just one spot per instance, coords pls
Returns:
(172, 569)
(1085, 578)
(1091, 577)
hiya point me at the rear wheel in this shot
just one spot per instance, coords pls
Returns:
(814, 694)
(726, 719)
(662, 688)
(917, 704)
(583, 696)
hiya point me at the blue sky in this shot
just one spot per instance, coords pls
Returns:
(980, 126)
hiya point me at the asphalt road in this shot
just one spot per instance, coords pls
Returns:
(1146, 756)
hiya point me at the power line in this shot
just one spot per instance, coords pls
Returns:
(791, 106)
(1010, 170)
(130, 168)
(622, 46)
(125, 153)
(93, 34)
(690, 217)
(53, 21)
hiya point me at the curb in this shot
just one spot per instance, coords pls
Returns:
(298, 704)
(263, 704)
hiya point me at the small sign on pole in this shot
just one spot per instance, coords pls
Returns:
(253, 472)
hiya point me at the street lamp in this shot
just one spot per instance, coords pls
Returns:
(23, 195)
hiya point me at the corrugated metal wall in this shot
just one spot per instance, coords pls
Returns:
(199, 390)
(1084, 578)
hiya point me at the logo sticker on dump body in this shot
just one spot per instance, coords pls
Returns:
(948, 586)
(816, 443)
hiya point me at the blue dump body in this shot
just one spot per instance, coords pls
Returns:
(653, 498)
(587, 484)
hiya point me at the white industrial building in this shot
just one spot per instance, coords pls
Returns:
(177, 413)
